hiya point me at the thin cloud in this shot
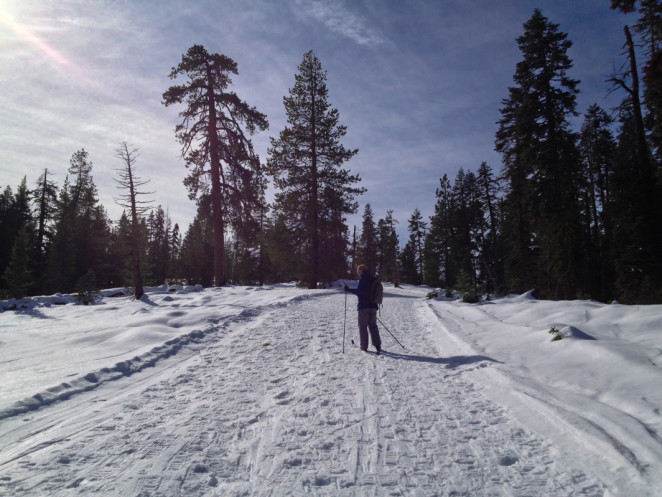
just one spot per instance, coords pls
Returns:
(339, 19)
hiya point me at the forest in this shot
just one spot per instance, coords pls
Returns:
(571, 213)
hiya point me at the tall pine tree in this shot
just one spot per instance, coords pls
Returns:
(306, 162)
(439, 270)
(540, 165)
(417, 233)
(214, 134)
(45, 209)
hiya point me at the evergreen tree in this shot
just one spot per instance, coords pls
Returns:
(597, 150)
(439, 270)
(409, 264)
(388, 248)
(541, 163)
(120, 252)
(215, 143)
(417, 235)
(197, 252)
(649, 29)
(247, 235)
(14, 215)
(466, 218)
(45, 209)
(306, 161)
(634, 212)
(61, 266)
(18, 275)
(368, 241)
(279, 248)
(637, 240)
(159, 252)
(335, 237)
(489, 243)
(174, 271)
(82, 233)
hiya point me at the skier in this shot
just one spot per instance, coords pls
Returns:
(367, 310)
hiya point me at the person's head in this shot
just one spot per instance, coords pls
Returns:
(360, 268)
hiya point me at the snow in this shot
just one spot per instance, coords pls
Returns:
(247, 391)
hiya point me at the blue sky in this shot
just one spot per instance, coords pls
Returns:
(418, 84)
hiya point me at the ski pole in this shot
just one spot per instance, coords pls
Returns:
(380, 322)
(344, 325)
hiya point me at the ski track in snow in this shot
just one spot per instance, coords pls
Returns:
(269, 405)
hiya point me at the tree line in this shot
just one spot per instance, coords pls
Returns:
(571, 213)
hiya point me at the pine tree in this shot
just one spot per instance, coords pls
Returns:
(597, 150)
(197, 252)
(388, 248)
(82, 233)
(541, 163)
(174, 270)
(368, 241)
(279, 248)
(158, 246)
(45, 209)
(18, 275)
(634, 243)
(463, 220)
(14, 214)
(120, 252)
(335, 239)
(638, 239)
(490, 246)
(649, 29)
(439, 270)
(315, 192)
(214, 135)
(409, 264)
(417, 235)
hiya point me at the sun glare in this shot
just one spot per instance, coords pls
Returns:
(13, 31)
(26, 35)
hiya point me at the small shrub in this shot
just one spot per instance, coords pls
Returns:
(86, 288)
(432, 295)
(557, 334)
(471, 297)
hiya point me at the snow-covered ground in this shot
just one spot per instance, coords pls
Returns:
(247, 391)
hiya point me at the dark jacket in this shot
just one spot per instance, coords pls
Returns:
(362, 292)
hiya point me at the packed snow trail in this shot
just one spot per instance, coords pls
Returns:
(269, 405)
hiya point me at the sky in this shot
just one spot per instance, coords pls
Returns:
(418, 84)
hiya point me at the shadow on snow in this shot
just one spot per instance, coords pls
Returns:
(449, 362)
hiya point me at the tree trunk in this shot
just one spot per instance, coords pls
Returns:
(135, 244)
(642, 146)
(217, 208)
(314, 273)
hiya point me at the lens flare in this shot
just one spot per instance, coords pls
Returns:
(40, 45)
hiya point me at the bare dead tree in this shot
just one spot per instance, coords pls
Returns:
(130, 183)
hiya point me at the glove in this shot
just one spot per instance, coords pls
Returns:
(346, 288)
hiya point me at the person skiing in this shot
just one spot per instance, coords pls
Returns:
(367, 310)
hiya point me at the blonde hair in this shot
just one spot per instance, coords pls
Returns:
(361, 267)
